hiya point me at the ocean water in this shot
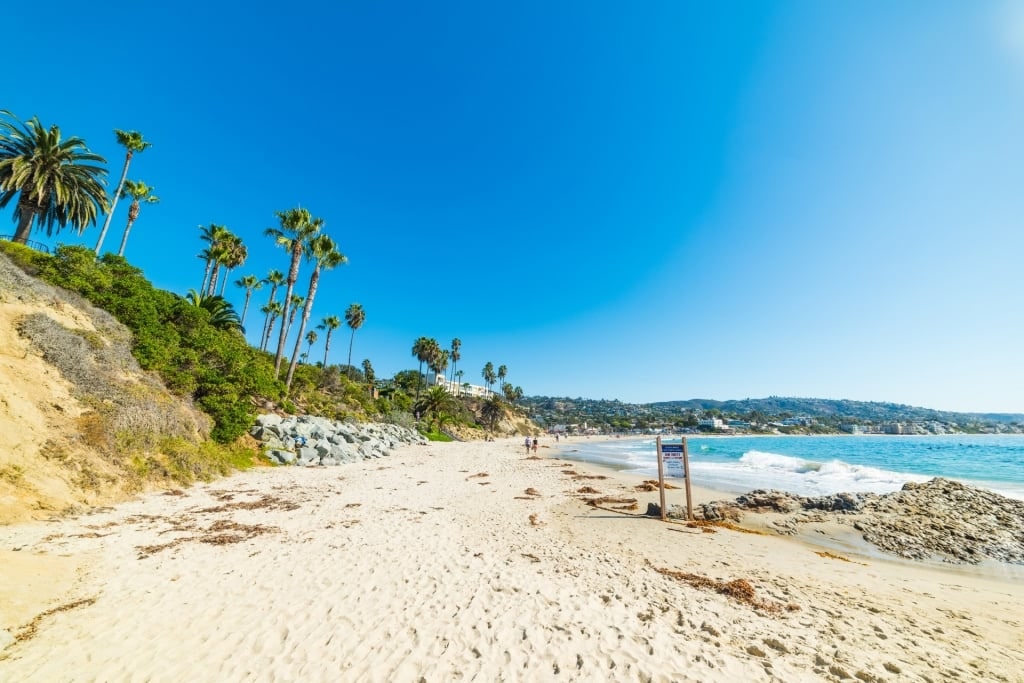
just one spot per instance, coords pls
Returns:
(818, 465)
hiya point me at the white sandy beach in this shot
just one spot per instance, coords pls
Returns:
(434, 564)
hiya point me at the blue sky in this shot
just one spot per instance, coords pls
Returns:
(649, 202)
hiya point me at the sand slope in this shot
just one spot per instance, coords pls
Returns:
(427, 566)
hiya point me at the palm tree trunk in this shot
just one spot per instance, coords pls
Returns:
(113, 203)
(212, 286)
(266, 319)
(124, 238)
(327, 346)
(270, 330)
(293, 275)
(24, 228)
(224, 284)
(206, 274)
(350, 341)
(302, 326)
(245, 308)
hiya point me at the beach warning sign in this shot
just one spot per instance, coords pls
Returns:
(674, 459)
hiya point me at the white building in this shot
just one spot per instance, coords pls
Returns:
(456, 389)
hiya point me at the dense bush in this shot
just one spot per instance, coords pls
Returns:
(216, 368)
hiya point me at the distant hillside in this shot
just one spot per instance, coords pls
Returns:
(828, 414)
(837, 408)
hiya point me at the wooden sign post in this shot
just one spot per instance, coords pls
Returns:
(661, 481)
(675, 458)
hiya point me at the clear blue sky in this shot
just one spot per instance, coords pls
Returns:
(648, 201)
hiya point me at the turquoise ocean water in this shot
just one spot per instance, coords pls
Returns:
(817, 465)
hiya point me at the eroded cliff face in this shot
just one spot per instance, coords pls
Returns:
(69, 389)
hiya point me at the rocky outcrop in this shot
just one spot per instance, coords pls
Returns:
(309, 440)
(938, 519)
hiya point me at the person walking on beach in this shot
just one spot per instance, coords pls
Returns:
(535, 445)
(527, 445)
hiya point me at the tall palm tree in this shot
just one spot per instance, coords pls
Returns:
(57, 182)
(502, 374)
(488, 374)
(421, 351)
(273, 311)
(331, 323)
(355, 316)
(214, 235)
(140, 193)
(368, 372)
(323, 252)
(433, 358)
(310, 340)
(297, 227)
(250, 283)
(132, 141)
(456, 356)
(275, 279)
(458, 387)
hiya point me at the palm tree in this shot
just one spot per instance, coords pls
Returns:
(222, 313)
(459, 375)
(139, 192)
(250, 283)
(132, 141)
(275, 279)
(213, 235)
(234, 256)
(297, 227)
(435, 406)
(368, 372)
(488, 374)
(57, 181)
(355, 316)
(331, 323)
(502, 374)
(323, 252)
(439, 361)
(310, 340)
(421, 351)
(273, 311)
(492, 410)
(456, 356)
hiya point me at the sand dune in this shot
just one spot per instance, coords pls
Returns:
(436, 564)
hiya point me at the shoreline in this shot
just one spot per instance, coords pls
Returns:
(468, 560)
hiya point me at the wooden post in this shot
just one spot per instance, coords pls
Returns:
(686, 476)
(661, 481)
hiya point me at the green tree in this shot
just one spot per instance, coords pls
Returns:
(223, 316)
(323, 252)
(331, 323)
(355, 316)
(57, 182)
(502, 374)
(132, 142)
(297, 227)
(249, 283)
(295, 302)
(140, 193)
(233, 257)
(368, 372)
(435, 406)
(492, 411)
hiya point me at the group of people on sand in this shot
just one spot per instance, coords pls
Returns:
(531, 444)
